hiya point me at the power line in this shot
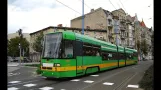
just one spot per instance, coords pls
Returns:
(85, 4)
(118, 5)
(112, 5)
(91, 8)
(68, 6)
(123, 5)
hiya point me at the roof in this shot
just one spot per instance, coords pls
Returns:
(80, 17)
(133, 18)
(120, 10)
(142, 23)
(129, 18)
(68, 28)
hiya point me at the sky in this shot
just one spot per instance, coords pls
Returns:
(34, 15)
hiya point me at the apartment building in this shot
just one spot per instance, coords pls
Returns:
(123, 27)
(97, 19)
(131, 32)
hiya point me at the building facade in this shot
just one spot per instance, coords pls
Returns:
(131, 32)
(97, 19)
(123, 27)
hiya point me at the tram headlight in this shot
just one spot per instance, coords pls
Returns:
(57, 65)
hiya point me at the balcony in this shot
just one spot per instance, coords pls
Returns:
(122, 20)
(122, 28)
(110, 25)
(122, 36)
(110, 35)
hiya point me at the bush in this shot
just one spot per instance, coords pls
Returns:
(38, 71)
(147, 80)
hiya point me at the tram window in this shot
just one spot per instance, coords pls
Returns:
(121, 56)
(91, 50)
(105, 56)
(109, 55)
(68, 49)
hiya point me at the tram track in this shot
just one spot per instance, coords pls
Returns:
(124, 82)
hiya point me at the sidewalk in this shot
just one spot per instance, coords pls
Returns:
(14, 64)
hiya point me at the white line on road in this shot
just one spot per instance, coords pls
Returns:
(133, 86)
(14, 81)
(46, 88)
(106, 78)
(107, 83)
(75, 80)
(95, 75)
(29, 85)
(23, 82)
(12, 88)
(88, 81)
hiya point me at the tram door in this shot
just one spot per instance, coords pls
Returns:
(79, 57)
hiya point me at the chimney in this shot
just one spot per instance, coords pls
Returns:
(92, 10)
(60, 25)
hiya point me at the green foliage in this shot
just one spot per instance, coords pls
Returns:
(38, 71)
(147, 81)
(144, 47)
(13, 46)
(37, 44)
(138, 44)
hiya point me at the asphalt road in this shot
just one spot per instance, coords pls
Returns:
(125, 78)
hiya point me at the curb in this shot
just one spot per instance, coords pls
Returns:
(29, 66)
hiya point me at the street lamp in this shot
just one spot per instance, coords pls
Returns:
(20, 54)
(21, 36)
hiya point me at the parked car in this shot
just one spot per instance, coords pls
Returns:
(16, 59)
(9, 59)
(26, 59)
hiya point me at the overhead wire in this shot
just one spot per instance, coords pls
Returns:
(68, 6)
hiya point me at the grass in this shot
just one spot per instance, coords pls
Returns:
(147, 81)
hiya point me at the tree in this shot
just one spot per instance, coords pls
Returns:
(13, 46)
(37, 44)
(144, 47)
(138, 45)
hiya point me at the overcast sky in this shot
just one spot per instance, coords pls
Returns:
(33, 15)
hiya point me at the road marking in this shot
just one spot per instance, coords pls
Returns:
(106, 78)
(14, 81)
(46, 88)
(23, 82)
(88, 81)
(62, 89)
(75, 80)
(107, 83)
(43, 77)
(12, 74)
(12, 88)
(29, 85)
(133, 86)
(95, 75)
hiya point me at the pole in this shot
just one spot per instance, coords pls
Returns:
(82, 17)
(20, 54)
(21, 36)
